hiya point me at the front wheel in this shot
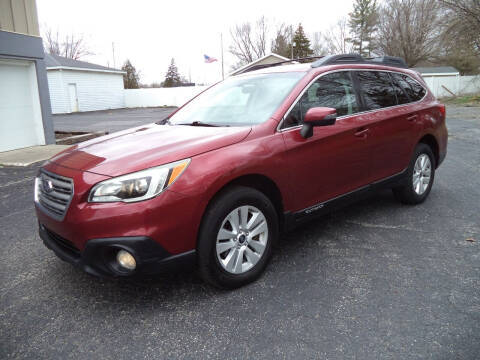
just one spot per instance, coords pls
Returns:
(419, 179)
(236, 237)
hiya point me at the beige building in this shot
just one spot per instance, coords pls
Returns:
(25, 115)
(19, 16)
(271, 58)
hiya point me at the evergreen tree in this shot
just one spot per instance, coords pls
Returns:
(130, 79)
(172, 78)
(301, 44)
(363, 24)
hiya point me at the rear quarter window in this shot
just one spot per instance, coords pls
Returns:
(418, 91)
(411, 87)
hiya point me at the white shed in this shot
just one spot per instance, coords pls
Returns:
(437, 71)
(81, 86)
(441, 80)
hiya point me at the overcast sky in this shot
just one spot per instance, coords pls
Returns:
(150, 33)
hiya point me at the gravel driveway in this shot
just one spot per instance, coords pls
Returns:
(377, 280)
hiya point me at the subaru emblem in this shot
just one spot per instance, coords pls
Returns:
(47, 185)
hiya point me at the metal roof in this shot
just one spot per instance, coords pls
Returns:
(437, 70)
(55, 61)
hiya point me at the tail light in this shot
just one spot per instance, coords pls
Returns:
(443, 111)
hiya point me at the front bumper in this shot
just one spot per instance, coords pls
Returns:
(99, 255)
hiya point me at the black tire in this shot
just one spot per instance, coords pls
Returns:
(210, 268)
(406, 193)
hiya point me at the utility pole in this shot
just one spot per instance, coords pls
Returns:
(113, 53)
(221, 46)
(291, 42)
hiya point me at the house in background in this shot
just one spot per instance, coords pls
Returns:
(271, 58)
(81, 86)
(25, 117)
(442, 80)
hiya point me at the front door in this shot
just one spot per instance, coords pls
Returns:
(72, 91)
(336, 159)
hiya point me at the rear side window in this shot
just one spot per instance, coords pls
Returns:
(418, 92)
(414, 90)
(377, 89)
(400, 91)
(333, 90)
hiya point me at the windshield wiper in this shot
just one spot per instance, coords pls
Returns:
(164, 121)
(198, 123)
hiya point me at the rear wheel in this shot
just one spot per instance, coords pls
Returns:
(419, 179)
(236, 237)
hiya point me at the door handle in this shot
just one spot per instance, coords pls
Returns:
(412, 117)
(362, 132)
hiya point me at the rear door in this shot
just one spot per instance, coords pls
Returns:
(335, 160)
(393, 126)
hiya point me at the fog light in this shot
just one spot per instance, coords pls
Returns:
(126, 260)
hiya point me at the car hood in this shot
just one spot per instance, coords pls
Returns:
(146, 146)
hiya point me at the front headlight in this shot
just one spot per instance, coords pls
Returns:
(138, 186)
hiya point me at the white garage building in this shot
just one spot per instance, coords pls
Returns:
(81, 86)
(24, 105)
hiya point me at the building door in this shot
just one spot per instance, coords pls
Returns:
(72, 91)
(21, 122)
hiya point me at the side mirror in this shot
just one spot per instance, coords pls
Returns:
(317, 116)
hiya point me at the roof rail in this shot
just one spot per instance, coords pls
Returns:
(357, 59)
(391, 61)
(339, 59)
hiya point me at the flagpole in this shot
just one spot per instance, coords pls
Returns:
(221, 45)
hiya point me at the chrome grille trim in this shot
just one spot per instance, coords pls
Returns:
(56, 201)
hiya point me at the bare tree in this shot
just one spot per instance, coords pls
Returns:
(282, 43)
(464, 20)
(261, 38)
(249, 41)
(336, 38)
(52, 42)
(69, 46)
(409, 29)
(318, 44)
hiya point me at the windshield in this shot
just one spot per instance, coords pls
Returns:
(238, 101)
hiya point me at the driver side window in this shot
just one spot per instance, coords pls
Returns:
(333, 90)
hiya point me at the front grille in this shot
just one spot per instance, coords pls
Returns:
(64, 243)
(53, 193)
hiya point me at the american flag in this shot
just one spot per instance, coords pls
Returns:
(209, 59)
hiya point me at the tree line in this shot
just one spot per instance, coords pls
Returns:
(131, 78)
(423, 32)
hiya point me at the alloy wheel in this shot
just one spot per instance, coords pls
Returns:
(242, 239)
(422, 174)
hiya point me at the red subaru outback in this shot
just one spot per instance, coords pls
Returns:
(215, 182)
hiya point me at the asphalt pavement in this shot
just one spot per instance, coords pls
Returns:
(378, 280)
(109, 120)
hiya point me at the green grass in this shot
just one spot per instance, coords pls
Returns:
(466, 100)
